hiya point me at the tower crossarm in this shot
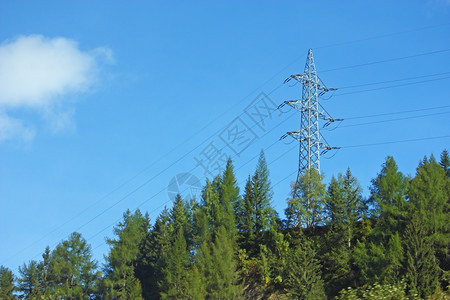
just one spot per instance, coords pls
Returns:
(302, 106)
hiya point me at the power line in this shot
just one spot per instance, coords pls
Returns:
(391, 86)
(394, 80)
(396, 119)
(382, 36)
(398, 141)
(397, 112)
(385, 60)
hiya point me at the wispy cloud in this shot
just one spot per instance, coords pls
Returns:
(11, 128)
(39, 73)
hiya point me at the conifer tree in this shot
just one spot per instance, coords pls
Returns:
(445, 162)
(306, 207)
(46, 280)
(29, 281)
(429, 196)
(255, 214)
(180, 218)
(154, 254)
(229, 199)
(422, 271)
(175, 281)
(303, 276)
(381, 257)
(388, 194)
(7, 287)
(122, 261)
(72, 268)
(245, 215)
(215, 258)
(344, 209)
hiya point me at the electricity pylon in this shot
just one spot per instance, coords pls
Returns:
(312, 143)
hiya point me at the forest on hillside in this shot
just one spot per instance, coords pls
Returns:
(231, 244)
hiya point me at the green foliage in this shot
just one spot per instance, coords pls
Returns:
(174, 283)
(375, 292)
(120, 280)
(306, 207)
(29, 281)
(232, 247)
(445, 162)
(428, 194)
(380, 258)
(422, 271)
(72, 269)
(345, 209)
(7, 287)
(302, 274)
(255, 214)
(229, 198)
(154, 253)
(218, 264)
(388, 194)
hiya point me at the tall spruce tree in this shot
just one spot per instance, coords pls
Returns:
(306, 207)
(154, 254)
(215, 259)
(303, 272)
(429, 195)
(174, 284)
(380, 258)
(72, 268)
(217, 262)
(29, 281)
(422, 271)
(344, 209)
(255, 213)
(120, 278)
(7, 287)
(388, 194)
(445, 162)
(229, 199)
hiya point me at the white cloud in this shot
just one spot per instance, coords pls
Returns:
(39, 73)
(11, 128)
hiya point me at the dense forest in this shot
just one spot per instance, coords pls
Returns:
(231, 244)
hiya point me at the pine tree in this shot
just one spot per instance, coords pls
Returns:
(174, 283)
(388, 194)
(120, 278)
(344, 209)
(29, 281)
(245, 215)
(306, 207)
(46, 277)
(303, 276)
(72, 268)
(154, 254)
(422, 271)
(445, 162)
(215, 238)
(196, 284)
(255, 214)
(180, 218)
(229, 199)
(380, 258)
(429, 196)
(7, 287)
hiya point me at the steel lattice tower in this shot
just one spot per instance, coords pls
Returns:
(312, 143)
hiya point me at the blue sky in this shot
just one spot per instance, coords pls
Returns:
(104, 103)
